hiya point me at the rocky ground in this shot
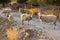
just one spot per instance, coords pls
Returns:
(35, 31)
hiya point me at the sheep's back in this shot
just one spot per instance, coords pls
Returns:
(25, 17)
(48, 18)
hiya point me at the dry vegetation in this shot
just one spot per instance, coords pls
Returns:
(22, 33)
(48, 12)
(59, 16)
(12, 34)
(33, 11)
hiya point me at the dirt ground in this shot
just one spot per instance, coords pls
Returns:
(35, 31)
(22, 32)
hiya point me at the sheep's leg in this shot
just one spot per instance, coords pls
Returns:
(28, 22)
(55, 25)
(22, 22)
(9, 22)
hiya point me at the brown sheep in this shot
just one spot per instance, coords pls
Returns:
(25, 17)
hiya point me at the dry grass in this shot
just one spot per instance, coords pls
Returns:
(12, 34)
(26, 34)
(48, 12)
(59, 16)
(33, 11)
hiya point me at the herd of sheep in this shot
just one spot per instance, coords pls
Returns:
(29, 15)
(42, 17)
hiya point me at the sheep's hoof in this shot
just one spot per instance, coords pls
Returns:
(55, 27)
(28, 24)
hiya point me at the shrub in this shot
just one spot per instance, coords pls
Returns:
(33, 11)
(12, 34)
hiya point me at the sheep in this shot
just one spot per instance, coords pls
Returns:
(47, 18)
(7, 11)
(10, 18)
(26, 17)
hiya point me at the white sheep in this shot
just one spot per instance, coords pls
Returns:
(25, 17)
(7, 11)
(47, 18)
